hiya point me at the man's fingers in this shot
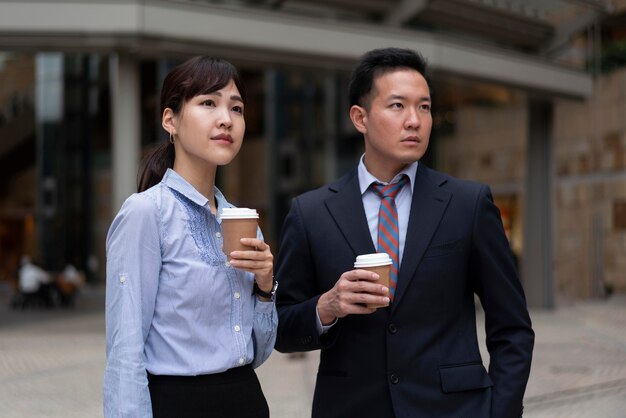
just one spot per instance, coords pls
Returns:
(348, 286)
(355, 275)
(365, 298)
(362, 310)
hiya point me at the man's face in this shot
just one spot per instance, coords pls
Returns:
(397, 123)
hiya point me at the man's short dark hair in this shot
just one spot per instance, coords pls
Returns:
(377, 62)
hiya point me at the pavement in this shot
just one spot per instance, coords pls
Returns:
(52, 361)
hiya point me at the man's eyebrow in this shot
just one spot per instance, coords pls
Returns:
(401, 97)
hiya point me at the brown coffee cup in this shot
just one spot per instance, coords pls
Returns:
(238, 223)
(379, 263)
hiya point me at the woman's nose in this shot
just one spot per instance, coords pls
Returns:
(224, 118)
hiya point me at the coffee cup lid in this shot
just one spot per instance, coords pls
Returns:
(239, 213)
(371, 260)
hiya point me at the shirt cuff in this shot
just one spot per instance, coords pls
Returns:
(262, 306)
(323, 329)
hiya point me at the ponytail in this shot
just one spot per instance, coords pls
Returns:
(155, 164)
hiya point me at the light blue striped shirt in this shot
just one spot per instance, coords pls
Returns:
(173, 304)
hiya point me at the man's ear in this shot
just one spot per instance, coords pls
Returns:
(168, 121)
(358, 115)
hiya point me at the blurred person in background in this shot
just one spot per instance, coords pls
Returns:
(34, 284)
(184, 328)
(68, 283)
(419, 356)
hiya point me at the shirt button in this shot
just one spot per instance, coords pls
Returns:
(237, 328)
(394, 379)
(227, 264)
(122, 279)
(392, 329)
(218, 235)
(237, 295)
(241, 360)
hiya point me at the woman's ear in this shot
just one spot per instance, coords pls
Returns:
(168, 121)
(358, 115)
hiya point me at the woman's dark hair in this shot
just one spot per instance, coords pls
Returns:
(377, 62)
(198, 75)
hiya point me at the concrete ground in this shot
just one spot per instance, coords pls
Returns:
(51, 363)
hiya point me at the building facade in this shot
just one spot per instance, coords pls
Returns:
(520, 103)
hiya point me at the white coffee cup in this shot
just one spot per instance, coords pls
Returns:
(379, 263)
(238, 223)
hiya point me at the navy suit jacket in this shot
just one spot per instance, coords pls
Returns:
(420, 356)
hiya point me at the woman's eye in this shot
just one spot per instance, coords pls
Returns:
(208, 102)
(238, 109)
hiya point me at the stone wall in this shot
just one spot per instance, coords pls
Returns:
(589, 160)
(489, 145)
(590, 190)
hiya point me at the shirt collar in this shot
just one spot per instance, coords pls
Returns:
(175, 181)
(366, 178)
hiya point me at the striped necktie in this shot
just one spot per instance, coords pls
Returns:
(388, 232)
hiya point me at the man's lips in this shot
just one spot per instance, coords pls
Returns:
(411, 139)
(222, 137)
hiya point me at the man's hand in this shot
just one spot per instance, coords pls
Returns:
(353, 290)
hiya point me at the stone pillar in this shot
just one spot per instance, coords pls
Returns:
(125, 120)
(537, 264)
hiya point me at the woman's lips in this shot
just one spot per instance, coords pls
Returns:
(223, 137)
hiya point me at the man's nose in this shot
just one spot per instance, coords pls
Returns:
(413, 119)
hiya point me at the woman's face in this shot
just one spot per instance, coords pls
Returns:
(210, 127)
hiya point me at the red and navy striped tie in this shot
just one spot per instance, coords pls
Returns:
(388, 234)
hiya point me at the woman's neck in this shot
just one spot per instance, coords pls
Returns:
(202, 179)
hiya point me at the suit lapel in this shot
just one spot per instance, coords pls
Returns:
(346, 208)
(427, 208)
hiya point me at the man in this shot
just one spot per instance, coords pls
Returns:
(419, 356)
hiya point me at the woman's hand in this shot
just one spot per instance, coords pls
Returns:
(258, 260)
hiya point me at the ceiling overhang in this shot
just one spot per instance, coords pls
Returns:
(153, 26)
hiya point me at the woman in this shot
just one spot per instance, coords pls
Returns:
(184, 327)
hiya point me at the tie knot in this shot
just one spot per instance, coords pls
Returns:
(390, 190)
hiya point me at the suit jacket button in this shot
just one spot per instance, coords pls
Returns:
(393, 378)
(392, 329)
(306, 340)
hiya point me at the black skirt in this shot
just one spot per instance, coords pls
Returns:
(231, 394)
